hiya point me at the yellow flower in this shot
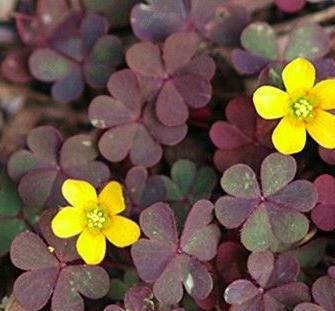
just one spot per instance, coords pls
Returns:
(302, 108)
(95, 218)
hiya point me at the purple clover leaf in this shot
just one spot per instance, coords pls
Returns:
(10, 206)
(261, 53)
(308, 306)
(50, 273)
(214, 20)
(35, 30)
(323, 291)
(143, 189)
(271, 214)
(327, 155)
(290, 6)
(171, 263)
(323, 215)
(243, 138)
(138, 298)
(48, 162)
(85, 54)
(131, 123)
(182, 77)
(277, 288)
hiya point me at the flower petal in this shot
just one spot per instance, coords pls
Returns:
(289, 136)
(298, 75)
(271, 102)
(68, 222)
(322, 129)
(91, 246)
(112, 197)
(79, 193)
(324, 94)
(122, 231)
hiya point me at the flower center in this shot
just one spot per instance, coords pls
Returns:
(96, 218)
(302, 108)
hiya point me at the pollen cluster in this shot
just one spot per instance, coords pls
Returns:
(96, 218)
(302, 108)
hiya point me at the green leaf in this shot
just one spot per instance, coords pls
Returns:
(240, 181)
(289, 226)
(259, 38)
(10, 202)
(117, 289)
(173, 192)
(48, 66)
(309, 41)
(311, 254)
(204, 184)
(276, 172)
(256, 233)
(183, 173)
(131, 278)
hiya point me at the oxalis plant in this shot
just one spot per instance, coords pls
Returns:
(167, 155)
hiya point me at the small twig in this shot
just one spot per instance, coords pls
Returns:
(10, 89)
(318, 17)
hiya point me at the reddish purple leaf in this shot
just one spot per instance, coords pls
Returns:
(179, 49)
(144, 190)
(323, 291)
(261, 266)
(168, 288)
(240, 292)
(323, 215)
(290, 6)
(151, 258)
(28, 290)
(29, 252)
(307, 306)
(158, 223)
(232, 212)
(199, 238)
(171, 109)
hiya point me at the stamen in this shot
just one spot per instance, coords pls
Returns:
(302, 108)
(96, 218)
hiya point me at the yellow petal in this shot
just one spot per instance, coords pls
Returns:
(289, 136)
(91, 246)
(323, 93)
(112, 197)
(122, 231)
(322, 129)
(79, 193)
(271, 102)
(68, 222)
(298, 75)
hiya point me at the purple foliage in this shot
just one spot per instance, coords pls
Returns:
(49, 161)
(85, 53)
(180, 76)
(219, 21)
(243, 138)
(172, 263)
(269, 215)
(323, 215)
(261, 52)
(131, 123)
(276, 289)
(49, 272)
